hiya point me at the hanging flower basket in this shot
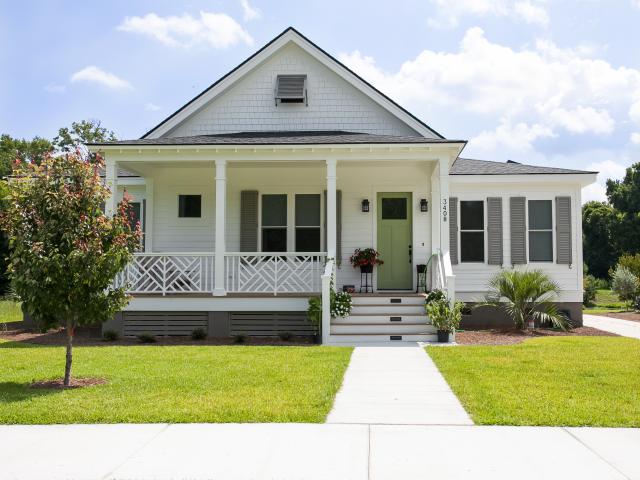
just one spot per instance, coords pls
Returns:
(366, 259)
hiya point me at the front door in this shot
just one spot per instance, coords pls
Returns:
(394, 241)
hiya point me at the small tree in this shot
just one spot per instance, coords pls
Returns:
(65, 253)
(526, 296)
(625, 284)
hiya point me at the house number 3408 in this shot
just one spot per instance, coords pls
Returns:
(445, 210)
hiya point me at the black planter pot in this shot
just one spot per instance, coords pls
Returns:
(317, 339)
(366, 268)
(443, 336)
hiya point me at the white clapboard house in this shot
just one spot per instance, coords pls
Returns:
(254, 195)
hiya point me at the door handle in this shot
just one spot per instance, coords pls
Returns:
(410, 252)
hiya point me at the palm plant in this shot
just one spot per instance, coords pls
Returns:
(526, 297)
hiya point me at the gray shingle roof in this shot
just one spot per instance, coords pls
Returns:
(282, 138)
(468, 166)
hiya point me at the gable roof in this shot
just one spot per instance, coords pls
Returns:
(331, 137)
(469, 166)
(290, 34)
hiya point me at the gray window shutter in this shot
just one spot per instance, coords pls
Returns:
(249, 221)
(453, 229)
(563, 230)
(494, 230)
(338, 224)
(518, 208)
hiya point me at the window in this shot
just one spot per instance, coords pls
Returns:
(274, 223)
(472, 231)
(394, 209)
(307, 223)
(540, 231)
(189, 206)
(134, 214)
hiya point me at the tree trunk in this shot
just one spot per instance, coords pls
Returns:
(67, 368)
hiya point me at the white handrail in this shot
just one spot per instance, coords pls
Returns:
(445, 278)
(327, 278)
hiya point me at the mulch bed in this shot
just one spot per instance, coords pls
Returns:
(513, 336)
(91, 338)
(74, 383)
(633, 316)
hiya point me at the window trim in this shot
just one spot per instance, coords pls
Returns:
(291, 216)
(484, 230)
(552, 230)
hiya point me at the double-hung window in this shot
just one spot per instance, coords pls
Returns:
(472, 231)
(274, 223)
(540, 231)
(307, 234)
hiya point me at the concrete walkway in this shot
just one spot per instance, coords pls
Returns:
(395, 384)
(299, 451)
(626, 328)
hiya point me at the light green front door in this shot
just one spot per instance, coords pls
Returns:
(394, 241)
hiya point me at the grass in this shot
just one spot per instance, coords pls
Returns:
(576, 381)
(180, 384)
(606, 301)
(10, 311)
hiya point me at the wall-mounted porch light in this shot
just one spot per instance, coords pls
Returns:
(365, 205)
(424, 205)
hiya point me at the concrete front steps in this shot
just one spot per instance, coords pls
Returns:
(384, 317)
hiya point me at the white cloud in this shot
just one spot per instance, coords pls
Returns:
(55, 88)
(583, 120)
(635, 138)
(515, 138)
(95, 74)
(635, 3)
(606, 169)
(152, 107)
(248, 11)
(449, 12)
(216, 30)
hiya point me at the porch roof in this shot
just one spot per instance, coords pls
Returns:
(469, 166)
(327, 137)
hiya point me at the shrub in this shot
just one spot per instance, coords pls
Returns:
(625, 284)
(341, 304)
(199, 334)
(526, 297)
(589, 290)
(631, 263)
(601, 284)
(146, 338)
(285, 336)
(110, 336)
(443, 315)
(314, 312)
(435, 295)
(240, 338)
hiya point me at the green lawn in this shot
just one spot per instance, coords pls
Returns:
(606, 301)
(10, 311)
(149, 384)
(591, 381)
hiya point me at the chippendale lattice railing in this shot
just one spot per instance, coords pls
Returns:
(256, 272)
(168, 273)
(274, 272)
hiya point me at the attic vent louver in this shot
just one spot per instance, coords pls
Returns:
(291, 89)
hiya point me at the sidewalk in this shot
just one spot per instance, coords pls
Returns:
(303, 451)
(395, 384)
(626, 328)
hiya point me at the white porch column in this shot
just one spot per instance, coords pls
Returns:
(220, 247)
(443, 164)
(331, 207)
(111, 178)
(435, 209)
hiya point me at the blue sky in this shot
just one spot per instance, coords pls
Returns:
(538, 81)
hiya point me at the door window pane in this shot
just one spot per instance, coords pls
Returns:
(307, 210)
(472, 231)
(394, 209)
(189, 206)
(134, 214)
(274, 210)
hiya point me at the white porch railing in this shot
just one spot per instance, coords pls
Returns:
(168, 273)
(328, 277)
(256, 272)
(274, 272)
(444, 279)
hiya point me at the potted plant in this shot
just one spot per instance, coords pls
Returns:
(366, 259)
(444, 316)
